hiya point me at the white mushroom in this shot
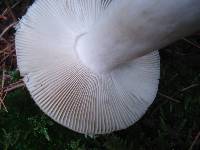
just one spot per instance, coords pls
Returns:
(89, 65)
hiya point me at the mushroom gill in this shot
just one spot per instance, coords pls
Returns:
(90, 64)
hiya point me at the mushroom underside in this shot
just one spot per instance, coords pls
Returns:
(67, 90)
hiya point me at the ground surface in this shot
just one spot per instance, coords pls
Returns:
(172, 122)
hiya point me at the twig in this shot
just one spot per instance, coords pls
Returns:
(192, 43)
(13, 6)
(7, 28)
(2, 61)
(10, 11)
(1, 90)
(5, 49)
(189, 87)
(3, 39)
(158, 107)
(3, 17)
(169, 98)
(2, 103)
(10, 45)
(163, 102)
(14, 86)
(195, 141)
(9, 88)
(3, 79)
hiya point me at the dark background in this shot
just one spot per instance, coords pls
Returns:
(171, 123)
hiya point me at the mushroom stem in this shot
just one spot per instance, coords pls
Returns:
(135, 28)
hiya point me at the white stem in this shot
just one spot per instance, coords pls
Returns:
(132, 28)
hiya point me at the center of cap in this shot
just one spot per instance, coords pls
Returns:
(89, 52)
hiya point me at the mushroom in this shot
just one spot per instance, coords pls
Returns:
(92, 65)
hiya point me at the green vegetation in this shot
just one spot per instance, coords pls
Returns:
(171, 123)
(167, 125)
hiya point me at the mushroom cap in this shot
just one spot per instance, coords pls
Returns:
(67, 90)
